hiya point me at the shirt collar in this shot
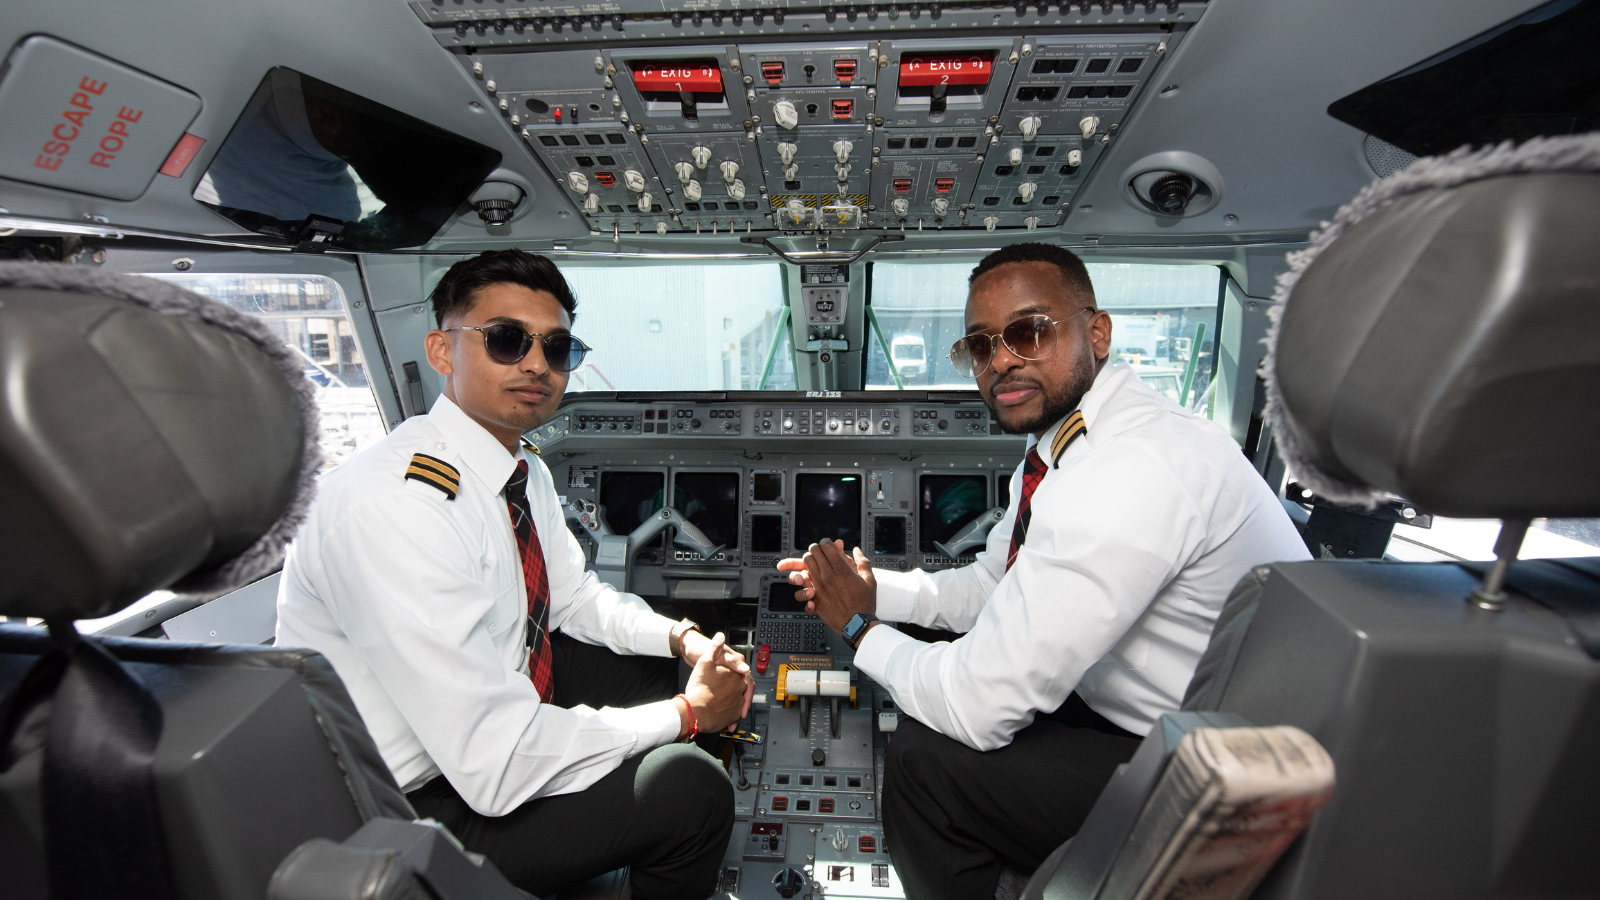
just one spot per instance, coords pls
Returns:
(478, 449)
(1093, 406)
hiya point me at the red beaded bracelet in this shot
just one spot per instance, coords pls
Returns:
(694, 724)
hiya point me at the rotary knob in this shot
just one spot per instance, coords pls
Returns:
(863, 425)
(736, 189)
(1074, 158)
(900, 206)
(646, 202)
(578, 182)
(634, 179)
(989, 222)
(591, 203)
(833, 424)
(1026, 190)
(940, 206)
(685, 171)
(1015, 156)
(692, 190)
(786, 152)
(786, 115)
(841, 149)
(1029, 126)
(701, 157)
(730, 170)
(1087, 125)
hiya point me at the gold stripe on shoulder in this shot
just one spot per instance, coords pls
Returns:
(1069, 432)
(433, 479)
(529, 446)
(444, 469)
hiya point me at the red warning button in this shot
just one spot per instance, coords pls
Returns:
(928, 71)
(182, 155)
(700, 76)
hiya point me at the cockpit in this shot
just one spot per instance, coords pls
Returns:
(1323, 231)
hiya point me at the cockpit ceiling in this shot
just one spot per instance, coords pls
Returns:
(934, 119)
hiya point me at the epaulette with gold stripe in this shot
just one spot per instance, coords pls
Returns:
(435, 472)
(1070, 431)
(529, 446)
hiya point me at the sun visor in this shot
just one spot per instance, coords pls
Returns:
(317, 166)
(77, 121)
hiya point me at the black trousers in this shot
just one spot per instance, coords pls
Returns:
(953, 815)
(667, 813)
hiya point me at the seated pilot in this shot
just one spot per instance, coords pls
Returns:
(517, 699)
(1130, 521)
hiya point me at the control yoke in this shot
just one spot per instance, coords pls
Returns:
(614, 554)
(975, 534)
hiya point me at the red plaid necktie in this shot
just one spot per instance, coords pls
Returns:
(1033, 469)
(535, 577)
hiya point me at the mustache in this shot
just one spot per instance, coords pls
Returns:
(1012, 384)
(542, 384)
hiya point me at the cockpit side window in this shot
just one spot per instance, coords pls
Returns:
(310, 315)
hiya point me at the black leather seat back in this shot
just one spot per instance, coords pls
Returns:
(151, 438)
(1443, 349)
(139, 450)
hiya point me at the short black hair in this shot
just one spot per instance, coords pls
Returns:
(1073, 271)
(459, 287)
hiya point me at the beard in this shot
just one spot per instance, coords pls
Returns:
(1058, 403)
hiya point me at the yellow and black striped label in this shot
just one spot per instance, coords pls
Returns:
(435, 472)
(1068, 433)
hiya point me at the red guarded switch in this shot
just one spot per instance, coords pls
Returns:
(701, 76)
(763, 657)
(928, 71)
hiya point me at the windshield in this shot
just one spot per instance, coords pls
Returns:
(1163, 319)
(680, 328)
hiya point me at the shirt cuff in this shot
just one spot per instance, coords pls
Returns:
(654, 637)
(657, 723)
(872, 657)
(897, 595)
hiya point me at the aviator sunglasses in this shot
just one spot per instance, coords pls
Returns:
(508, 344)
(1030, 338)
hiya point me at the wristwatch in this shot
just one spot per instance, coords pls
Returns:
(855, 629)
(675, 636)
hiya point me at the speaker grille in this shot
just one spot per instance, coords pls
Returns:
(1384, 157)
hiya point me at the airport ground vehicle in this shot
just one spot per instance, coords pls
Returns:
(753, 203)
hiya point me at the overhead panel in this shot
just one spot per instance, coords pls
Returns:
(853, 124)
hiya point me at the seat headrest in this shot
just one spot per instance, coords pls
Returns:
(149, 438)
(1438, 339)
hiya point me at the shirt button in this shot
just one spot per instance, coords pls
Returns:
(439, 446)
(493, 628)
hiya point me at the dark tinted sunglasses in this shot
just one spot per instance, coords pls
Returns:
(508, 344)
(1030, 337)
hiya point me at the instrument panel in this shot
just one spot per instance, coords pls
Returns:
(915, 484)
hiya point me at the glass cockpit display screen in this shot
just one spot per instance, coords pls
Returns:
(306, 155)
(630, 497)
(947, 503)
(827, 506)
(710, 501)
(781, 599)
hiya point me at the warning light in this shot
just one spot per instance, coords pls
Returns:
(930, 71)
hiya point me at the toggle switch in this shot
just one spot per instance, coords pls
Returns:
(736, 189)
(692, 190)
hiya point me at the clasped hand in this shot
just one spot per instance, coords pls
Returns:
(834, 586)
(720, 686)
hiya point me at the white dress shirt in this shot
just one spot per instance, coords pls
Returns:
(1134, 543)
(418, 601)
